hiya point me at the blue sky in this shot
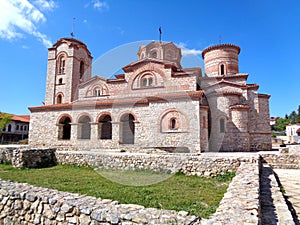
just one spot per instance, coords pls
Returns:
(268, 33)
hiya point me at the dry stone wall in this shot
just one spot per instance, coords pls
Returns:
(27, 204)
(190, 164)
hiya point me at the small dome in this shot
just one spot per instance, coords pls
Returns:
(162, 51)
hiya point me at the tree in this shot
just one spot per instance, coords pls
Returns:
(4, 119)
(293, 117)
(298, 116)
(281, 124)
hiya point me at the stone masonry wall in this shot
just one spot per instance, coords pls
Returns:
(147, 127)
(202, 165)
(27, 204)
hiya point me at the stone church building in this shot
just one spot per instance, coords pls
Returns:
(155, 103)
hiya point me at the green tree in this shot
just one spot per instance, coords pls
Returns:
(293, 117)
(4, 119)
(281, 124)
(298, 115)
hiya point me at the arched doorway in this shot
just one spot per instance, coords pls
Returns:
(84, 128)
(64, 130)
(105, 127)
(127, 129)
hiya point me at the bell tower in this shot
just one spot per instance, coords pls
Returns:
(69, 64)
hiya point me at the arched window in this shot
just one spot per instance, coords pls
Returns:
(105, 127)
(17, 127)
(154, 54)
(222, 125)
(81, 69)
(64, 130)
(222, 69)
(59, 99)
(61, 64)
(173, 124)
(21, 128)
(9, 128)
(84, 128)
(97, 92)
(147, 82)
(60, 81)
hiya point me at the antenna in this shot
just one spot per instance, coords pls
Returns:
(73, 27)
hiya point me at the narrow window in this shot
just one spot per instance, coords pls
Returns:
(9, 128)
(17, 128)
(61, 64)
(81, 69)
(222, 125)
(21, 128)
(154, 54)
(144, 82)
(59, 99)
(222, 68)
(60, 81)
(173, 124)
(150, 81)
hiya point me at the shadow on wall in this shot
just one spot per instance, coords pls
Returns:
(33, 158)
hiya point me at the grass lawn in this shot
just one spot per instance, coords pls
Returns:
(199, 196)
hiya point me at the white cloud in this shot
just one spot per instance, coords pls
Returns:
(100, 5)
(19, 17)
(97, 4)
(45, 5)
(186, 51)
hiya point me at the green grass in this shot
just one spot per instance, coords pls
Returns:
(199, 196)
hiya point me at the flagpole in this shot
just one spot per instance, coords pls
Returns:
(160, 34)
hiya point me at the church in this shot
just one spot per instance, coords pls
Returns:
(155, 103)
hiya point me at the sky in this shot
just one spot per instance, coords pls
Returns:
(268, 33)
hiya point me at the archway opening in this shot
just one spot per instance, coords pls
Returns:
(64, 131)
(127, 130)
(84, 128)
(105, 127)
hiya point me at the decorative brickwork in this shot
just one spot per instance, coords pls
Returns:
(169, 106)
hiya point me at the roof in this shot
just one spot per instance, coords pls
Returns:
(220, 46)
(21, 118)
(177, 96)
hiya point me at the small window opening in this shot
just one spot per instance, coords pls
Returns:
(173, 124)
(222, 68)
(59, 99)
(9, 128)
(60, 81)
(154, 54)
(81, 69)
